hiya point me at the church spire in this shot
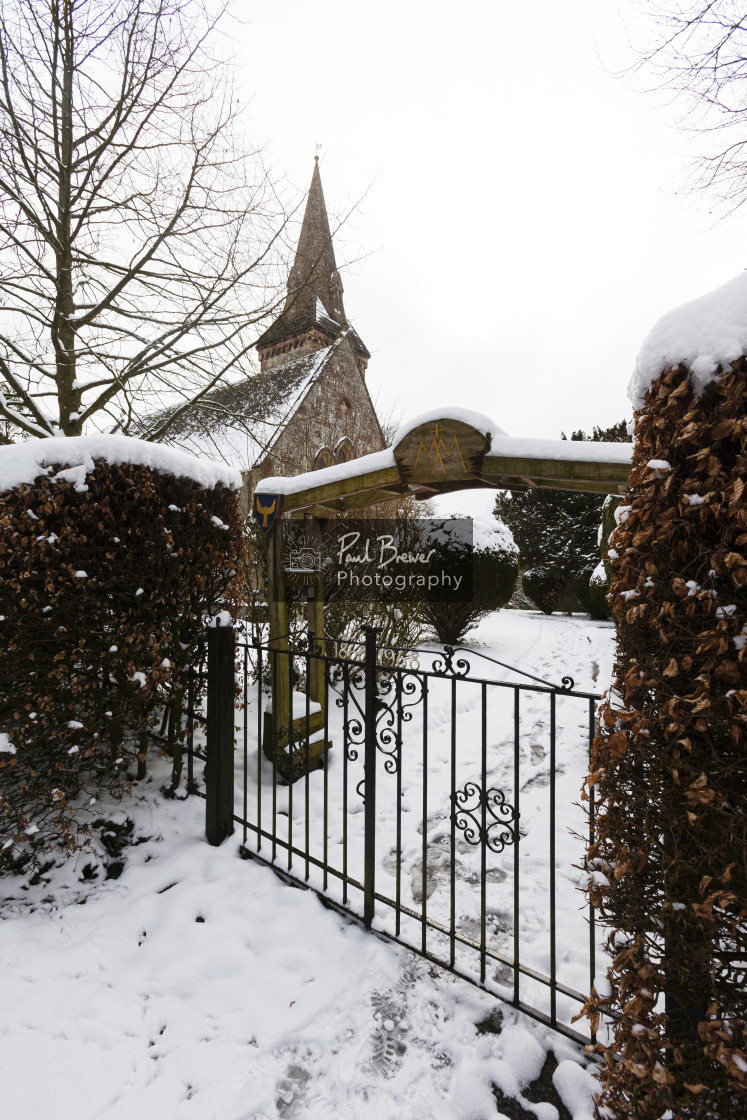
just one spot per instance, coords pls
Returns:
(314, 273)
(314, 313)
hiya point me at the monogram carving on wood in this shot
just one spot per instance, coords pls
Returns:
(441, 451)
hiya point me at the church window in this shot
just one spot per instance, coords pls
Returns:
(323, 459)
(345, 451)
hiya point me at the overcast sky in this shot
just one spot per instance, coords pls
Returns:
(519, 229)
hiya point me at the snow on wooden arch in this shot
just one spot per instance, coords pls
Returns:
(436, 453)
(442, 451)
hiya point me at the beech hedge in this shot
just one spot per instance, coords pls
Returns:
(103, 592)
(668, 868)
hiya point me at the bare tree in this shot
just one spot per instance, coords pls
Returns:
(699, 52)
(136, 235)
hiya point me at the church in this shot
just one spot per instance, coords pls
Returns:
(309, 405)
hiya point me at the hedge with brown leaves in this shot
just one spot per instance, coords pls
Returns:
(102, 596)
(669, 767)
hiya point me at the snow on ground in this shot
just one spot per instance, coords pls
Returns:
(198, 985)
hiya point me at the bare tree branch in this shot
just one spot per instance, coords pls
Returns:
(140, 245)
(699, 52)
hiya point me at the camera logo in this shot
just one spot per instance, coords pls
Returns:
(304, 560)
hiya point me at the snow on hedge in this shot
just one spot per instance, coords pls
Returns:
(705, 335)
(24, 462)
(493, 534)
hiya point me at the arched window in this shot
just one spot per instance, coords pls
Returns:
(344, 451)
(324, 458)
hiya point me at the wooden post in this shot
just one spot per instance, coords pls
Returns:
(315, 612)
(278, 609)
(219, 765)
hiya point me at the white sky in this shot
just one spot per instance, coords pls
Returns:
(519, 212)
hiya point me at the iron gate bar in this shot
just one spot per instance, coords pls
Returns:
(553, 946)
(424, 868)
(325, 768)
(398, 857)
(517, 841)
(592, 939)
(369, 774)
(246, 747)
(452, 846)
(483, 825)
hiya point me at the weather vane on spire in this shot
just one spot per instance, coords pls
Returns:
(318, 148)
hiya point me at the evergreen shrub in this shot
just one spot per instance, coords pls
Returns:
(668, 867)
(495, 567)
(546, 588)
(558, 531)
(103, 590)
(592, 593)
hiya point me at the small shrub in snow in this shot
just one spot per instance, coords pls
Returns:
(592, 593)
(495, 566)
(105, 577)
(546, 587)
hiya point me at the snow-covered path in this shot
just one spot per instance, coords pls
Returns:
(197, 985)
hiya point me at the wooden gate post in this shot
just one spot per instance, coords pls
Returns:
(219, 764)
(315, 613)
(277, 604)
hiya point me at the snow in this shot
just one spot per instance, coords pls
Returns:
(22, 463)
(477, 420)
(6, 747)
(599, 575)
(706, 335)
(493, 534)
(198, 985)
(377, 461)
(299, 705)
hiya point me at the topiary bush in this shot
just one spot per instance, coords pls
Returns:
(592, 593)
(495, 567)
(668, 867)
(546, 587)
(106, 573)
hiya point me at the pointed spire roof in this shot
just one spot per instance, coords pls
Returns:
(314, 273)
(314, 300)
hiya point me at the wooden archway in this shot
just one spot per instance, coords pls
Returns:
(435, 454)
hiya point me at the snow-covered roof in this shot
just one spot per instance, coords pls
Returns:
(24, 462)
(706, 335)
(239, 423)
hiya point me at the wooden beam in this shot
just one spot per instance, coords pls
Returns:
(562, 474)
(342, 488)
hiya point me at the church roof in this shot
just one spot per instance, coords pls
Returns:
(314, 298)
(240, 422)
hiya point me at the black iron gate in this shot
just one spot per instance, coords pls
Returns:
(432, 800)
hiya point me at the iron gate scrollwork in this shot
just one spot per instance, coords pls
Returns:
(471, 807)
